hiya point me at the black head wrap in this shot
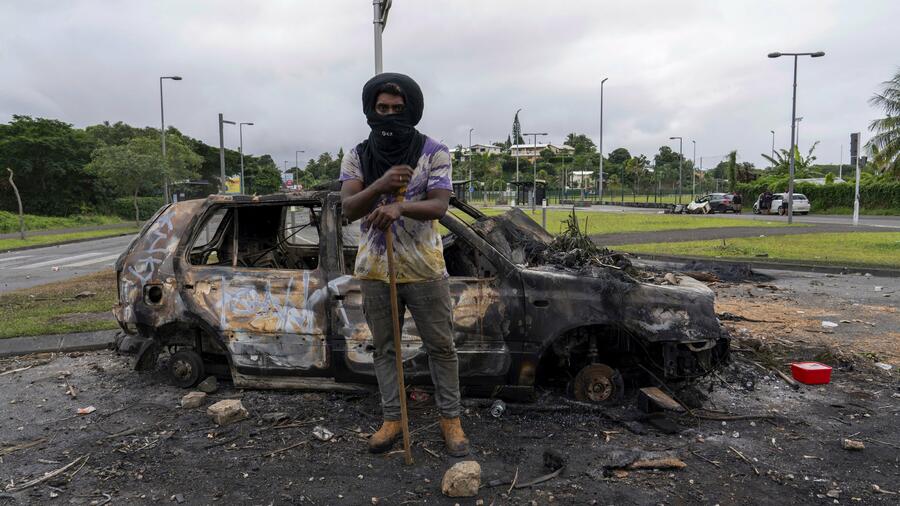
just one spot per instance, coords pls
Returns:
(394, 139)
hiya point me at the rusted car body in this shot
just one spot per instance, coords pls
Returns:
(262, 288)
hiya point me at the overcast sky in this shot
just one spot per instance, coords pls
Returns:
(697, 69)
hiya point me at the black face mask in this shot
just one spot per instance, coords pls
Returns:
(393, 139)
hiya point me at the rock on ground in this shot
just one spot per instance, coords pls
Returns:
(193, 400)
(209, 385)
(462, 480)
(227, 411)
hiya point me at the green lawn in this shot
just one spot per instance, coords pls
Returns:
(53, 308)
(9, 222)
(611, 223)
(868, 249)
(40, 240)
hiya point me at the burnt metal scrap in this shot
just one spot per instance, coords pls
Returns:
(261, 289)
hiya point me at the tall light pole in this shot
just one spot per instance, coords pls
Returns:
(470, 161)
(381, 9)
(222, 122)
(773, 145)
(162, 133)
(680, 164)
(817, 54)
(534, 169)
(241, 150)
(600, 181)
(693, 169)
(798, 132)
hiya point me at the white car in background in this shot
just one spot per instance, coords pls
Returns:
(779, 205)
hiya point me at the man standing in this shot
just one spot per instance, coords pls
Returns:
(397, 158)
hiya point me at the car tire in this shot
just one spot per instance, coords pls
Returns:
(598, 384)
(185, 368)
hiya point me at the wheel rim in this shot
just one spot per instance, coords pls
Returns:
(595, 383)
(182, 370)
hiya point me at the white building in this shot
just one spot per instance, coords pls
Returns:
(482, 149)
(531, 151)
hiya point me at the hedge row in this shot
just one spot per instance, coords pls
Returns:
(871, 196)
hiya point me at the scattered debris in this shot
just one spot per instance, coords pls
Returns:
(462, 480)
(852, 445)
(210, 385)
(86, 410)
(275, 417)
(829, 325)
(48, 475)
(670, 278)
(879, 288)
(706, 277)
(883, 366)
(623, 458)
(418, 395)
(227, 411)
(22, 446)
(85, 294)
(193, 400)
(651, 399)
(322, 434)
(11, 371)
(879, 490)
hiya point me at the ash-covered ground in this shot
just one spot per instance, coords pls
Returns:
(140, 447)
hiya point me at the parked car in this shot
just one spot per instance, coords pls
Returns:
(712, 203)
(261, 289)
(779, 204)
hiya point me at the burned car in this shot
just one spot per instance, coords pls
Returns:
(260, 289)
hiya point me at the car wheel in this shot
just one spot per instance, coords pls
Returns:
(185, 368)
(598, 383)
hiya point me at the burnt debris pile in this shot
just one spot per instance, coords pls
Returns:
(573, 249)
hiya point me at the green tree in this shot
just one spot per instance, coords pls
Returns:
(731, 170)
(619, 156)
(582, 143)
(802, 164)
(517, 131)
(885, 144)
(138, 166)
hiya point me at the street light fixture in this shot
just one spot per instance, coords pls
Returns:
(600, 181)
(680, 164)
(516, 142)
(534, 169)
(241, 150)
(162, 132)
(816, 54)
(222, 122)
(773, 146)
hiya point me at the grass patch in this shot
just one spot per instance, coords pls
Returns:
(54, 309)
(612, 223)
(865, 249)
(43, 240)
(862, 211)
(9, 222)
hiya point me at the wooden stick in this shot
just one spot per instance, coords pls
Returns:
(398, 351)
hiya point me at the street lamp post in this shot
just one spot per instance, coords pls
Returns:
(680, 165)
(241, 150)
(600, 181)
(798, 132)
(471, 159)
(773, 145)
(693, 169)
(534, 169)
(162, 133)
(817, 54)
(222, 122)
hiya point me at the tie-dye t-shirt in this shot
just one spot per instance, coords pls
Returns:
(418, 252)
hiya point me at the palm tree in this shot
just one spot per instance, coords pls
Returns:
(781, 162)
(885, 144)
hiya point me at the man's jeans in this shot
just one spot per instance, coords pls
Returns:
(431, 308)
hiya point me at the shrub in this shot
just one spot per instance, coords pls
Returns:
(830, 196)
(124, 207)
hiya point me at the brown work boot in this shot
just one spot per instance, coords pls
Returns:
(387, 435)
(454, 437)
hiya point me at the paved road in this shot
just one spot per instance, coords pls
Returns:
(25, 268)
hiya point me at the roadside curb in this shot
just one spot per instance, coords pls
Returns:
(82, 341)
(786, 266)
(72, 241)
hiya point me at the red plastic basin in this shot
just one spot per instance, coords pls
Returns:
(811, 373)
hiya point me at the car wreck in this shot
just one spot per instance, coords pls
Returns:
(260, 289)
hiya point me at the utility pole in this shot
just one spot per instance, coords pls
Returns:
(600, 181)
(534, 169)
(241, 135)
(297, 165)
(693, 170)
(222, 122)
(841, 166)
(790, 195)
(773, 146)
(162, 134)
